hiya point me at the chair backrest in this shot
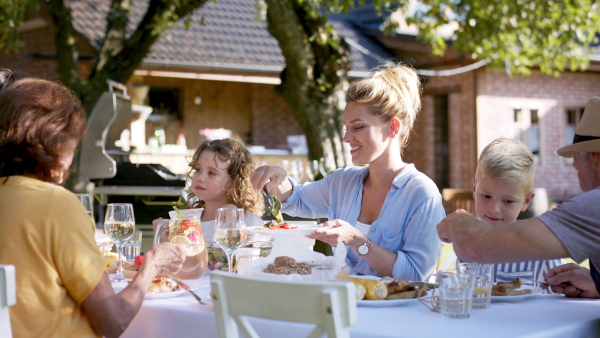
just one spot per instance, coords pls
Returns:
(8, 297)
(454, 199)
(329, 305)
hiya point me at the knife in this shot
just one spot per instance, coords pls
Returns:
(422, 284)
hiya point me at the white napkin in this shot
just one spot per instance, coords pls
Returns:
(101, 237)
(286, 246)
(339, 256)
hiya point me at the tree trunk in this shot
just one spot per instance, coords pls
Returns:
(315, 77)
(66, 44)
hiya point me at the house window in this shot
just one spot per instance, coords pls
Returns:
(526, 128)
(165, 103)
(573, 116)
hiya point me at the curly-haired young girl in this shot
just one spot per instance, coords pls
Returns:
(220, 172)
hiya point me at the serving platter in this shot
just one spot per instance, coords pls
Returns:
(303, 228)
(384, 302)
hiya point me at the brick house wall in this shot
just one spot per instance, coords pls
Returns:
(272, 119)
(460, 90)
(481, 107)
(498, 96)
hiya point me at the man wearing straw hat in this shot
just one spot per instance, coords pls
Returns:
(570, 230)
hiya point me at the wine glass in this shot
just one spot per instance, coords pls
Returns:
(230, 231)
(119, 225)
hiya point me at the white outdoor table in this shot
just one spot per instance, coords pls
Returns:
(537, 316)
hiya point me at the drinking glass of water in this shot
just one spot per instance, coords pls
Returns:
(119, 225)
(482, 294)
(456, 293)
(88, 204)
(133, 247)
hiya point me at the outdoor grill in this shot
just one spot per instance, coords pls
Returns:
(151, 188)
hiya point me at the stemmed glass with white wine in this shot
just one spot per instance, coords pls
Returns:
(230, 231)
(119, 225)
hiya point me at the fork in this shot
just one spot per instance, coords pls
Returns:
(188, 289)
(543, 282)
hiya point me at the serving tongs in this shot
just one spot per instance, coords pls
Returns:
(272, 205)
(188, 289)
(269, 202)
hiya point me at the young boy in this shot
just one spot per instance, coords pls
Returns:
(502, 189)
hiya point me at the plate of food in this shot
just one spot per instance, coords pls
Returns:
(513, 291)
(387, 291)
(162, 287)
(296, 228)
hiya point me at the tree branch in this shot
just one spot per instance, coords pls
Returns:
(119, 65)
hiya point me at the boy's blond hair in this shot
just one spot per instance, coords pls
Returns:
(507, 160)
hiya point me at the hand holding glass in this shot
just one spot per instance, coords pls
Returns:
(230, 231)
(119, 225)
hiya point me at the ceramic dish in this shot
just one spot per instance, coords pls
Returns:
(194, 285)
(384, 302)
(534, 291)
(303, 228)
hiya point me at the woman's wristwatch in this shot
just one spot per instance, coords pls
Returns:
(364, 248)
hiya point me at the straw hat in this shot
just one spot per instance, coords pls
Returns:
(587, 134)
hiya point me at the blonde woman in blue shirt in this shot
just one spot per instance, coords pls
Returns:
(385, 212)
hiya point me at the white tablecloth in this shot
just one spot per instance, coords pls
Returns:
(536, 316)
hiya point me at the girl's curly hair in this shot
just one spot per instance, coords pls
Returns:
(240, 165)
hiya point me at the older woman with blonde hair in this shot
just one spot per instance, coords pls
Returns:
(385, 212)
(62, 289)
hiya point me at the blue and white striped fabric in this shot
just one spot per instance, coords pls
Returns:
(526, 271)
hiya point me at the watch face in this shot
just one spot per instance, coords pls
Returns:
(363, 249)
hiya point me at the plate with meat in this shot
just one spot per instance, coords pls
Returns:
(296, 228)
(162, 287)
(513, 291)
(384, 292)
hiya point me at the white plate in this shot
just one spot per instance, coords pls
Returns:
(384, 302)
(304, 228)
(534, 291)
(193, 284)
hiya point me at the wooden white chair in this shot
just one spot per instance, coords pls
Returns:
(329, 305)
(8, 297)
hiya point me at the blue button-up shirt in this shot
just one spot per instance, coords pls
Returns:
(406, 224)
